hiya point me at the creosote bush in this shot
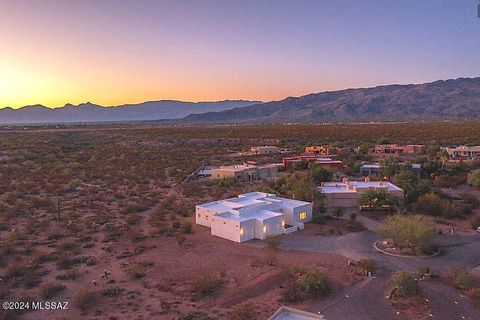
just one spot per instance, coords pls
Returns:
(246, 311)
(273, 241)
(85, 299)
(207, 285)
(49, 290)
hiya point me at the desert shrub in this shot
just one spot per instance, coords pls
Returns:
(273, 241)
(369, 265)
(433, 204)
(71, 274)
(180, 239)
(16, 270)
(471, 199)
(206, 285)
(354, 226)
(475, 297)
(41, 257)
(226, 182)
(315, 284)
(31, 279)
(111, 291)
(244, 311)
(85, 299)
(423, 270)
(133, 218)
(292, 292)
(474, 178)
(405, 284)
(196, 315)
(429, 248)
(465, 281)
(50, 289)
(458, 269)
(186, 227)
(136, 270)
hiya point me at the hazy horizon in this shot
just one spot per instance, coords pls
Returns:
(227, 99)
(123, 52)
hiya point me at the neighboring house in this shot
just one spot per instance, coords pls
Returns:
(345, 194)
(328, 151)
(371, 169)
(321, 150)
(265, 150)
(383, 151)
(287, 313)
(245, 172)
(463, 152)
(322, 161)
(253, 215)
(377, 169)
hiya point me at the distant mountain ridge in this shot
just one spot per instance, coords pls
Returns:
(89, 112)
(443, 99)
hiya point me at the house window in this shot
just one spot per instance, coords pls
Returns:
(283, 223)
(264, 229)
(199, 215)
(302, 215)
(242, 231)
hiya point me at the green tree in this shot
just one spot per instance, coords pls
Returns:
(374, 199)
(315, 284)
(474, 178)
(407, 231)
(411, 184)
(390, 167)
(320, 174)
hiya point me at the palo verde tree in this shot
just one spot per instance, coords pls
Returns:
(411, 232)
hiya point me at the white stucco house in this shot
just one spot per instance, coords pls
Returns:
(253, 215)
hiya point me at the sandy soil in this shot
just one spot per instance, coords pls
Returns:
(165, 292)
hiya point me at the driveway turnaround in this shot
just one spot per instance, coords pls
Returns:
(365, 300)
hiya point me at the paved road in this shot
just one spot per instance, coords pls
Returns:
(456, 249)
(366, 299)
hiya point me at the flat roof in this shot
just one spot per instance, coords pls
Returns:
(343, 187)
(257, 214)
(258, 205)
(287, 313)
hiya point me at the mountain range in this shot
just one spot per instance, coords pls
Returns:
(89, 112)
(444, 99)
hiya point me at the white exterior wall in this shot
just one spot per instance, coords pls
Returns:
(292, 214)
(248, 227)
(224, 228)
(203, 216)
(273, 224)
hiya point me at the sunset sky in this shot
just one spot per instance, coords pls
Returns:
(114, 52)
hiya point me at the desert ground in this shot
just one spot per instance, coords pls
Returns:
(99, 217)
